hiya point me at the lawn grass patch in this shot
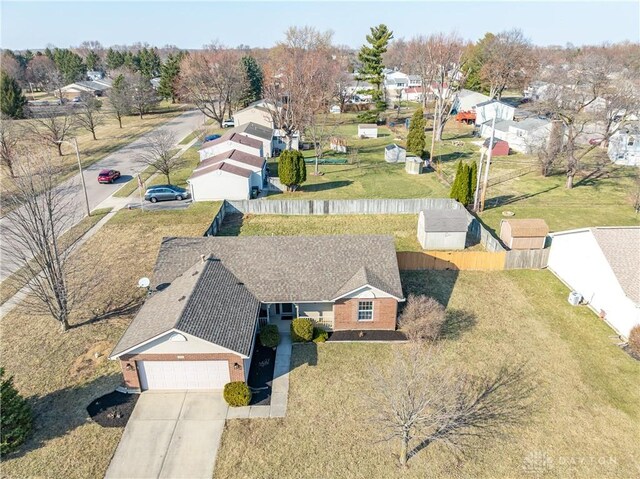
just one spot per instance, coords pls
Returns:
(587, 404)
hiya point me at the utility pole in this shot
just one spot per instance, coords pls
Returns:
(476, 196)
(84, 185)
(486, 171)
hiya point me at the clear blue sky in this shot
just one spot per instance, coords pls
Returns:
(28, 24)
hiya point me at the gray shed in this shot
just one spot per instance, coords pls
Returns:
(442, 229)
(394, 154)
(413, 165)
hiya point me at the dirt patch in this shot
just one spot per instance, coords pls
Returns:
(113, 409)
(84, 365)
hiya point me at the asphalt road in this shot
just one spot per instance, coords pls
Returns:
(125, 160)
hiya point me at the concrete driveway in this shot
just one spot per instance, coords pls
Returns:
(171, 435)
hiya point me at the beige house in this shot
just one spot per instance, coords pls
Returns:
(258, 113)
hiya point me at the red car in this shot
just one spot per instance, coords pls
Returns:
(108, 176)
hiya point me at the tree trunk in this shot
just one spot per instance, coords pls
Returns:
(93, 132)
(120, 121)
(59, 145)
(141, 114)
(570, 175)
(64, 325)
(404, 449)
(168, 179)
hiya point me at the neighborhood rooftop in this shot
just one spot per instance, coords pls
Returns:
(436, 220)
(235, 137)
(254, 129)
(233, 169)
(237, 155)
(621, 248)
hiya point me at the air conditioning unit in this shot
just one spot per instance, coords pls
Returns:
(575, 298)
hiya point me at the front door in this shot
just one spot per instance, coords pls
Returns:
(285, 310)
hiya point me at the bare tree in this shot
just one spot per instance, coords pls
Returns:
(41, 212)
(420, 401)
(43, 73)
(52, 126)
(419, 62)
(160, 153)
(142, 96)
(214, 80)
(120, 98)
(8, 143)
(422, 318)
(89, 113)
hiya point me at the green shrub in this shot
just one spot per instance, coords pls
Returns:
(269, 336)
(301, 330)
(320, 335)
(15, 416)
(634, 340)
(237, 394)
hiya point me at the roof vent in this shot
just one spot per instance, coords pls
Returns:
(195, 273)
(181, 298)
(239, 283)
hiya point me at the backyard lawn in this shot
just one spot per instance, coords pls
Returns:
(584, 422)
(60, 374)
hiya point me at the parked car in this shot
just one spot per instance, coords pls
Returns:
(228, 123)
(165, 192)
(595, 141)
(211, 138)
(108, 176)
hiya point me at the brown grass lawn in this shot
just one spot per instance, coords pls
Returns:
(59, 373)
(587, 403)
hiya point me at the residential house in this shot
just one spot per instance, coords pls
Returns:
(259, 113)
(197, 328)
(359, 88)
(443, 229)
(466, 100)
(624, 146)
(97, 88)
(603, 266)
(95, 75)
(488, 110)
(412, 93)
(522, 136)
(231, 175)
(258, 132)
(231, 141)
(538, 90)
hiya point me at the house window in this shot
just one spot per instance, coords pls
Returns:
(365, 311)
(631, 141)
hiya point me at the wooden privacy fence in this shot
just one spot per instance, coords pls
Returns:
(451, 260)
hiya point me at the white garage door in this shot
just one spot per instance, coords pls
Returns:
(183, 374)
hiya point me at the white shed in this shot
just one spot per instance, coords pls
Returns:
(413, 165)
(221, 181)
(367, 130)
(602, 265)
(442, 229)
(394, 154)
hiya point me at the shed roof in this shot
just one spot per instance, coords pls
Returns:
(367, 125)
(393, 146)
(527, 228)
(441, 221)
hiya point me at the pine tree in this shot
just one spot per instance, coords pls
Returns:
(12, 100)
(114, 59)
(254, 75)
(70, 65)
(455, 186)
(463, 196)
(473, 180)
(370, 56)
(16, 419)
(148, 62)
(92, 60)
(416, 139)
(292, 170)
(168, 77)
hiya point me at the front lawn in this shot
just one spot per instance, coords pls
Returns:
(61, 374)
(587, 400)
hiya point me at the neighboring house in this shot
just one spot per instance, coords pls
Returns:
(466, 100)
(257, 112)
(280, 142)
(624, 146)
(603, 265)
(413, 93)
(95, 75)
(231, 141)
(97, 88)
(538, 90)
(394, 154)
(207, 182)
(487, 110)
(522, 136)
(358, 87)
(335, 110)
(442, 229)
(524, 233)
(367, 130)
(197, 329)
(258, 132)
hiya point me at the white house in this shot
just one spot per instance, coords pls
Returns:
(412, 93)
(367, 130)
(624, 146)
(491, 109)
(255, 164)
(231, 141)
(602, 265)
(466, 100)
(523, 136)
(222, 181)
(258, 132)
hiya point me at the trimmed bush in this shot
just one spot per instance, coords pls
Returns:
(269, 336)
(15, 416)
(320, 335)
(634, 340)
(237, 394)
(301, 330)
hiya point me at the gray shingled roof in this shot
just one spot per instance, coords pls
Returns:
(233, 169)
(621, 248)
(237, 155)
(254, 129)
(236, 138)
(438, 221)
(206, 301)
(289, 268)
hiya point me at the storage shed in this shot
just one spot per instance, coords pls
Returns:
(413, 165)
(442, 229)
(524, 234)
(394, 154)
(367, 130)
(500, 147)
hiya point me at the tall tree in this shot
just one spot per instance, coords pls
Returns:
(43, 74)
(10, 65)
(12, 100)
(92, 61)
(456, 187)
(88, 113)
(120, 98)
(51, 127)
(292, 170)
(8, 143)
(16, 417)
(473, 182)
(254, 75)
(70, 65)
(114, 59)
(169, 73)
(148, 62)
(371, 58)
(474, 58)
(416, 140)
(160, 153)
(141, 93)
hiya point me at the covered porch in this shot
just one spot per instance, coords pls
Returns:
(281, 314)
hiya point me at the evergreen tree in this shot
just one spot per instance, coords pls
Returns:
(474, 59)
(253, 71)
(416, 140)
(148, 62)
(473, 180)
(168, 77)
(292, 170)
(114, 59)
(12, 100)
(48, 53)
(370, 56)
(92, 60)
(16, 419)
(455, 186)
(70, 65)
(463, 196)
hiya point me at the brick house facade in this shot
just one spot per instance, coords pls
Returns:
(345, 313)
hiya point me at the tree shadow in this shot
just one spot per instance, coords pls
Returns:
(111, 309)
(231, 225)
(329, 185)
(456, 323)
(454, 156)
(60, 412)
(435, 283)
